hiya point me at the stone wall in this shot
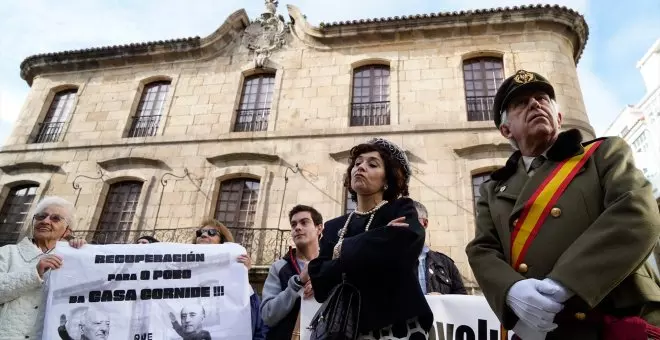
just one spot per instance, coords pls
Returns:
(308, 127)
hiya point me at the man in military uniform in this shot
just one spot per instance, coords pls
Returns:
(564, 229)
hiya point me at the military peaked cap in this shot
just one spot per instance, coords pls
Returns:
(522, 80)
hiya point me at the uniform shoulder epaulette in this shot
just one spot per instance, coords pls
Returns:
(594, 140)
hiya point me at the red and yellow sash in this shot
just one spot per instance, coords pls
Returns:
(538, 207)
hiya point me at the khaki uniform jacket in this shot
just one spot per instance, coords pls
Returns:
(595, 241)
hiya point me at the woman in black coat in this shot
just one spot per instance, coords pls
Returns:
(377, 246)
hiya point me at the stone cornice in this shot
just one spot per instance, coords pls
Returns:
(361, 131)
(243, 156)
(12, 169)
(132, 162)
(191, 48)
(471, 150)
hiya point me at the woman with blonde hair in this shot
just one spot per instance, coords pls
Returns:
(215, 232)
(220, 230)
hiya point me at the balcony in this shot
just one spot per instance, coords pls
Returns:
(370, 114)
(251, 120)
(144, 126)
(49, 132)
(264, 245)
(480, 108)
(8, 236)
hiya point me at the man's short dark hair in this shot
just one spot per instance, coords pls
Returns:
(316, 216)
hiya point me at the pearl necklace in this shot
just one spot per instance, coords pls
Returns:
(337, 249)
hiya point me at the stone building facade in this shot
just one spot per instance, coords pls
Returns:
(243, 124)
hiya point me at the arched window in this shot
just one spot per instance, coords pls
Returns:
(254, 109)
(477, 180)
(118, 212)
(51, 128)
(150, 109)
(482, 77)
(14, 212)
(237, 207)
(370, 104)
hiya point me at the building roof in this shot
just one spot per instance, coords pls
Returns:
(117, 48)
(573, 24)
(655, 48)
(449, 14)
(196, 47)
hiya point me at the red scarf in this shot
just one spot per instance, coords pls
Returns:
(629, 328)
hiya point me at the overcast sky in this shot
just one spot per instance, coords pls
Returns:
(620, 33)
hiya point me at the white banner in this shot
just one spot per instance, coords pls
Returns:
(456, 317)
(463, 317)
(160, 291)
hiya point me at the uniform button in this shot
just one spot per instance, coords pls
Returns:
(522, 268)
(555, 212)
(515, 222)
(502, 188)
(580, 316)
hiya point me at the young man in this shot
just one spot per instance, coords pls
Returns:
(281, 301)
(437, 272)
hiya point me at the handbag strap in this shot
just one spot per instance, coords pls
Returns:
(296, 329)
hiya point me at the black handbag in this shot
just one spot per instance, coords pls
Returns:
(338, 317)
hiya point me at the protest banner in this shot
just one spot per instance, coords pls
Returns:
(456, 317)
(463, 317)
(159, 291)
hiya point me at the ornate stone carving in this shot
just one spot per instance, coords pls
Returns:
(266, 34)
(271, 6)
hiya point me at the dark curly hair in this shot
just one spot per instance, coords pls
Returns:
(316, 216)
(397, 185)
(149, 239)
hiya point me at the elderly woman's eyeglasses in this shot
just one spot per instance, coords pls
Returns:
(53, 217)
(210, 232)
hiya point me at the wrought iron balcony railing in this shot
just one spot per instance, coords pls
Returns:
(369, 114)
(480, 108)
(49, 132)
(144, 126)
(251, 120)
(264, 245)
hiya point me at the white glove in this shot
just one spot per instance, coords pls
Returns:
(530, 302)
(562, 293)
(525, 332)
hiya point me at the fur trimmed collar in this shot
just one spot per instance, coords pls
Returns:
(568, 144)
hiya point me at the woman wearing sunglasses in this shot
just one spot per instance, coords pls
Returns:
(214, 232)
(24, 265)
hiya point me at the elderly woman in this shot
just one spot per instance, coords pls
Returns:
(214, 232)
(377, 246)
(23, 265)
